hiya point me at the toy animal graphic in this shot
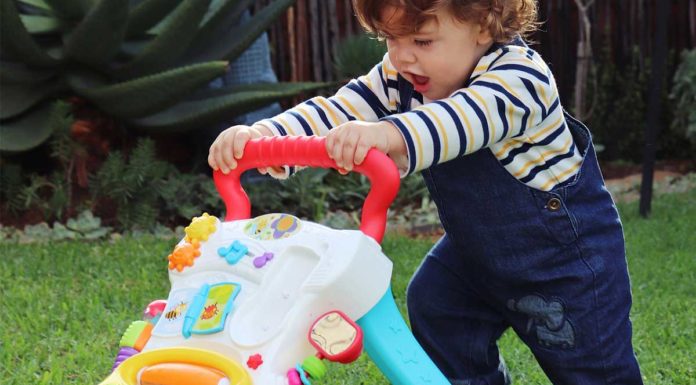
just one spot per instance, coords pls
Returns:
(548, 320)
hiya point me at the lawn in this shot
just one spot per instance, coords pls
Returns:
(64, 306)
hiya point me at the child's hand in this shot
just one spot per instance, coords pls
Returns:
(229, 146)
(349, 143)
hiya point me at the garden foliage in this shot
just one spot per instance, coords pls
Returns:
(618, 104)
(356, 55)
(143, 62)
(684, 96)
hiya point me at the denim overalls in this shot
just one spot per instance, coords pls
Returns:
(551, 265)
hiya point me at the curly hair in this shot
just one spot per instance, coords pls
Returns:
(504, 19)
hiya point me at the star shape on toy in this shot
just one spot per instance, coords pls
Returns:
(183, 256)
(254, 361)
(201, 227)
(410, 357)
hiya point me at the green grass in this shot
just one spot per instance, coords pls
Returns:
(64, 306)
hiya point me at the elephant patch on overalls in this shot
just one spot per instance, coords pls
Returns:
(548, 320)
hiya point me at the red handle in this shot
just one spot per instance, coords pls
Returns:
(311, 151)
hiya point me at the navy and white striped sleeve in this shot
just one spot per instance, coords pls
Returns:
(367, 98)
(507, 94)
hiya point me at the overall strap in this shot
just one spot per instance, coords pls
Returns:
(405, 94)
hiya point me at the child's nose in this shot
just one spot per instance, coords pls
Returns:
(404, 55)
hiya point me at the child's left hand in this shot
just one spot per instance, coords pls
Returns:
(349, 143)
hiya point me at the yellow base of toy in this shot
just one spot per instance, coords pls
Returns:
(127, 372)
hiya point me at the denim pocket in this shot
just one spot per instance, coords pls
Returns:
(559, 221)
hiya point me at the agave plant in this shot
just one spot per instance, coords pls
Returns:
(143, 62)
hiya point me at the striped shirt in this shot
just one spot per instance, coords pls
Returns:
(510, 105)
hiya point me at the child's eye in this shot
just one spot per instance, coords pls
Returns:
(422, 43)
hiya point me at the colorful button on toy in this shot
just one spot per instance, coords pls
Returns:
(293, 377)
(261, 261)
(303, 375)
(232, 254)
(254, 361)
(183, 256)
(201, 227)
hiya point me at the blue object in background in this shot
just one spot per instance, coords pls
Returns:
(252, 66)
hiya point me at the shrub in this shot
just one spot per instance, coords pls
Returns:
(618, 115)
(683, 96)
(356, 55)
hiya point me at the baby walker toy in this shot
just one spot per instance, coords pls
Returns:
(263, 301)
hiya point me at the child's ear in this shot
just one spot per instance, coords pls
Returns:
(484, 36)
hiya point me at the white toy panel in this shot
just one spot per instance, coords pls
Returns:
(254, 287)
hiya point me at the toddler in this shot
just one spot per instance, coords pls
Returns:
(532, 241)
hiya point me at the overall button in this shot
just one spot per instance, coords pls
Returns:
(553, 204)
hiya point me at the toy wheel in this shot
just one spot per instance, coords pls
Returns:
(314, 367)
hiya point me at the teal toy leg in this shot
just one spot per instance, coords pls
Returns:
(391, 345)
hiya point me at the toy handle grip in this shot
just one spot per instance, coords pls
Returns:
(311, 151)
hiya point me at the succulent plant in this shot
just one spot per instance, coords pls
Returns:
(143, 62)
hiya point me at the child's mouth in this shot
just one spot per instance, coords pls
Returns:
(420, 83)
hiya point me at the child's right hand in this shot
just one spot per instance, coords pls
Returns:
(229, 146)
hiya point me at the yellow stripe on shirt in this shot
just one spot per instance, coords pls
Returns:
(501, 81)
(418, 141)
(286, 125)
(469, 131)
(328, 108)
(529, 139)
(491, 124)
(308, 118)
(388, 72)
(510, 90)
(351, 108)
(542, 158)
(541, 91)
(546, 129)
(440, 130)
(367, 81)
(558, 178)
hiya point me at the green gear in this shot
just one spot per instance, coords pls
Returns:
(130, 336)
(315, 367)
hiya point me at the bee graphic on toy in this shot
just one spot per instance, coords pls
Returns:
(176, 312)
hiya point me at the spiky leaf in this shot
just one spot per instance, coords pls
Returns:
(98, 36)
(148, 94)
(26, 131)
(202, 112)
(70, 9)
(222, 16)
(41, 24)
(296, 87)
(17, 98)
(39, 4)
(146, 14)
(21, 46)
(171, 42)
(15, 73)
(244, 35)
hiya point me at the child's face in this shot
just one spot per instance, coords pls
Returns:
(440, 56)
